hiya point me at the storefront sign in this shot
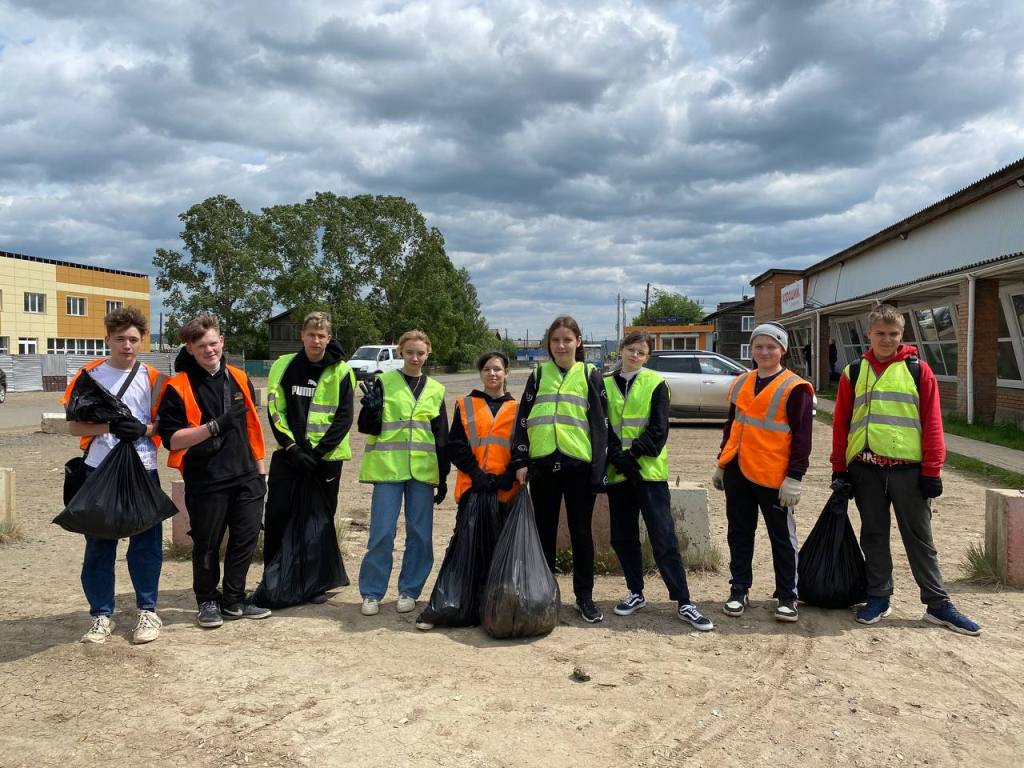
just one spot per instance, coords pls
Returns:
(793, 297)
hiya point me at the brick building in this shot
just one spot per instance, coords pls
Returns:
(955, 269)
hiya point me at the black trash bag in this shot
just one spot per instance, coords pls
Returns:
(118, 499)
(308, 560)
(831, 572)
(456, 597)
(91, 401)
(521, 598)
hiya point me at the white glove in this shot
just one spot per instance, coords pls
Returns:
(718, 479)
(789, 493)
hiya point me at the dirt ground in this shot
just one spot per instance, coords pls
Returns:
(322, 685)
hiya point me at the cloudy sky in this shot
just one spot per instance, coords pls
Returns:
(568, 151)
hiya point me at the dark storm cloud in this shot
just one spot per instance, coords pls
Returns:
(569, 151)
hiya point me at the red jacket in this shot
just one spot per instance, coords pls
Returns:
(933, 444)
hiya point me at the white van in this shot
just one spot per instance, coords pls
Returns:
(366, 362)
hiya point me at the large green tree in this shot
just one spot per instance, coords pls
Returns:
(668, 308)
(223, 269)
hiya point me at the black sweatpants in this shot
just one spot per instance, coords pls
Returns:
(626, 502)
(281, 490)
(237, 510)
(547, 490)
(742, 501)
(876, 489)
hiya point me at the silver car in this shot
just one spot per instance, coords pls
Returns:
(699, 382)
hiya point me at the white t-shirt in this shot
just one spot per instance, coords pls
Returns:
(139, 398)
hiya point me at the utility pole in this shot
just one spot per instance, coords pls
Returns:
(161, 342)
(647, 304)
(618, 318)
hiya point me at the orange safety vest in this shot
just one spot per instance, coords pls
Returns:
(760, 433)
(156, 385)
(180, 384)
(490, 437)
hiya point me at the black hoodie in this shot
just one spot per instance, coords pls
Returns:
(299, 382)
(233, 464)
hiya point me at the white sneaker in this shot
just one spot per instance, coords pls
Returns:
(406, 604)
(101, 628)
(370, 607)
(148, 628)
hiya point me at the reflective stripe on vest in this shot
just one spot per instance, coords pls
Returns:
(322, 408)
(886, 417)
(194, 417)
(760, 436)
(404, 449)
(629, 416)
(490, 438)
(558, 417)
(157, 382)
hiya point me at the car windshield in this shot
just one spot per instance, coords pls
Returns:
(365, 353)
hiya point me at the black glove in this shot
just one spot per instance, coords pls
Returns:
(931, 487)
(492, 483)
(631, 469)
(128, 429)
(620, 461)
(506, 480)
(301, 457)
(373, 397)
(842, 484)
(229, 417)
(442, 491)
(479, 478)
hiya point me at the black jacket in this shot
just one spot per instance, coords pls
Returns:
(655, 435)
(233, 464)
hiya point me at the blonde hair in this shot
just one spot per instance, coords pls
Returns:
(885, 314)
(318, 320)
(414, 335)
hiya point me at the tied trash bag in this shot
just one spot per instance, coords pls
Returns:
(455, 599)
(830, 564)
(308, 561)
(521, 597)
(118, 499)
(91, 401)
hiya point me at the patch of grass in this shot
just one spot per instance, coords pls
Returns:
(174, 551)
(606, 563)
(829, 392)
(993, 477)
(977, 567)
(823, 416)
(10, 532)
(710, 561)
(1006, 435)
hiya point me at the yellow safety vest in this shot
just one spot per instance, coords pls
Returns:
(886, 417)
(629, 416)
(321, 410)
(558, 418)
(404, 449)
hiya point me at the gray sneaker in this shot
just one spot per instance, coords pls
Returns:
(209, 615)
(244, 610)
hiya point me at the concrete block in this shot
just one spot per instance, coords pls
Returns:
(8, 512)
(180, 523)
(55, 424)
(261, 395)
(1004, 533)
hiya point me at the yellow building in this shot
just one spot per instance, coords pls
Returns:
(54, 307)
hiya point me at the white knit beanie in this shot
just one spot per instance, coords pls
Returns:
(774, 331)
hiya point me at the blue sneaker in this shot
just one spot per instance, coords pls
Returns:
(874, 610)
(946, 615)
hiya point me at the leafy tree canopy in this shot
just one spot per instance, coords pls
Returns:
(667, 308)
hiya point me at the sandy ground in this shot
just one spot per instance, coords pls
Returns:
(322, 685)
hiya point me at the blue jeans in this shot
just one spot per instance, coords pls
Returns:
(375, 572)
(145, 559)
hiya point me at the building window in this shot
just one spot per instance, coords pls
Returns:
(1010, 354)
(28, 346)
(35, 302)
(850, 339)
(76, 306)
(76, 347)
(936, 336)
(678, 342)
(5, 345)
(744, 352)
(747, 323)
(112, 305)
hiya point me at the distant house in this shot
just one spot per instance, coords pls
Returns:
(285, 332)
(733, 321)
(670, 337)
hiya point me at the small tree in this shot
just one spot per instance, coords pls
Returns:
(668, 308)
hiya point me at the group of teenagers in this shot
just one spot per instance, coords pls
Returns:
(574, 433)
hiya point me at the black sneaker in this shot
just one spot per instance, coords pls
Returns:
(320, 599)
(689, 613)
(590, 612)
(244, 610)
(209, 615)
(736, 604)
(786, 611)
(633, 603)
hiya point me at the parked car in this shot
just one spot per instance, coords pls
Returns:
(3, 387)
(699, 381)
(371, 359)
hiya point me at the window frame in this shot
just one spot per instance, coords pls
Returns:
(24, 341)
(747, 327)
(745, 352)
(41, 309)
(68, 304)
(1016, 337)
(117, 305)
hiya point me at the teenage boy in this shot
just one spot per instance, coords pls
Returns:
(310, 405)
(888, 450)
(209, 422)
(137, 386)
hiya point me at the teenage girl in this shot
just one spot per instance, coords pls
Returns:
(560, 441)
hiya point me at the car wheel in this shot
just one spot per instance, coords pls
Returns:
(3, 393)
